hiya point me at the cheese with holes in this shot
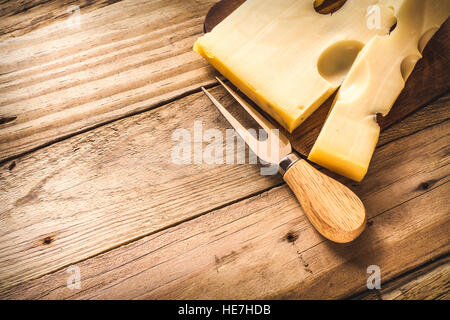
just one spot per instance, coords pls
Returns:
(287, 57)
(350, 134)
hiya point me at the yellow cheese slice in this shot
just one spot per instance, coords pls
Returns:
(287, 57)
(349, 137)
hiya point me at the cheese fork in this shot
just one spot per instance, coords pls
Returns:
(333, 209)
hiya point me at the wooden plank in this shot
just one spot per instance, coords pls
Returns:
(109, 186)
(72, 176)
(429, 80)
(57, 81)
(264, 247)
(427, 283)
(124, 58)
(397, 243)
(431, 286)
(425, 117)
(21, 17)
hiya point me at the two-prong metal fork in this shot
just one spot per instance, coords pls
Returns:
(334, 210)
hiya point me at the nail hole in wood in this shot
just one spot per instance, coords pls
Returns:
(291, 237)
(426, 185)
(47, 240)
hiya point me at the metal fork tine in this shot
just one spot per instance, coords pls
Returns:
(263, 122)
(271, 150)
(251, 141)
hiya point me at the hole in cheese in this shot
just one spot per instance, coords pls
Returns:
(407, 66)
(391, 20)
(335, 62)
(328, 6)
(393, 27)
(426, 38)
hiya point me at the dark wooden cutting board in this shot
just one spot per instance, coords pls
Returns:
(429, 81)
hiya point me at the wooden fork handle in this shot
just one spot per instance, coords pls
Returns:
(334, 210)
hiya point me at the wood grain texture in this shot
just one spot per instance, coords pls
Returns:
(21, 17)
(429, 116)
(130, 56)
(116, 184)
(429, 80)
(335, 211)
(124, 58)
(110, 186)
(431, 282)
(264, 247)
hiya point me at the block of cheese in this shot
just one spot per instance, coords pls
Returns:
(350, 134)
(287, 57)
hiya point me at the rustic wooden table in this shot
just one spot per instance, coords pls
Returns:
(89, 99)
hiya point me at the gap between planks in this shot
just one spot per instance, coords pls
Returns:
(121, 54)
(375, 197)
(149, 62)
(66, 206)
(21, 17)
(103, 153)
(427, 282)
(101, 124)
(198, 265)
